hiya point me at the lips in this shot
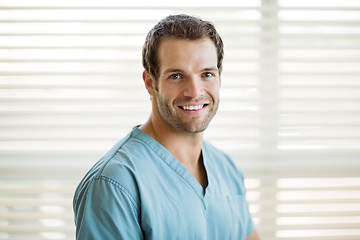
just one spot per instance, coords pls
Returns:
(193, 107)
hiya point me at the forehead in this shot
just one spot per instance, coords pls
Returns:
(183, 53)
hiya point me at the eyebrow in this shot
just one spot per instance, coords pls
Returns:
(210, 69)
(171, 70)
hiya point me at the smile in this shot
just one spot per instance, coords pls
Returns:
(193, 108)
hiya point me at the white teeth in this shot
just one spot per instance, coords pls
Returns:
(193, 107)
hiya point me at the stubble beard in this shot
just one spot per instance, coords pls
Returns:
(169, 113)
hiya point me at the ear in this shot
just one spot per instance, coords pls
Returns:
(149, 83)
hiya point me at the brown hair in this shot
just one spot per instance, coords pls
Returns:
(183, 27)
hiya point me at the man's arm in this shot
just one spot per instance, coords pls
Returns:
(105, 210)
(253, 236)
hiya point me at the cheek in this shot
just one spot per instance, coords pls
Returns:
(214, 90)
(168, 92)
(163, 97)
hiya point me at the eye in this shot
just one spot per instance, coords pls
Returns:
(207, 75)
(175, 76)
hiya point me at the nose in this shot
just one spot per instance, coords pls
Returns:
(193, 87)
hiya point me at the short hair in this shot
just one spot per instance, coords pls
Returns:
(183, 27)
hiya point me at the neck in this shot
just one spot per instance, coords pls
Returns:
(185, 147)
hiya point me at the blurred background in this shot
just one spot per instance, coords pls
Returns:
(71, 87)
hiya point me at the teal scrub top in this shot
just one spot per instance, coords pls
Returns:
(138, 190)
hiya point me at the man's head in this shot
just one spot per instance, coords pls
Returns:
(181, 27)
(182, 57)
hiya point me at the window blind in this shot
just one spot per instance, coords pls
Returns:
(70, 87)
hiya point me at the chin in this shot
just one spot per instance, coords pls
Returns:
(193, 129)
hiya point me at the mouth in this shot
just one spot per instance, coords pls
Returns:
(193, 107)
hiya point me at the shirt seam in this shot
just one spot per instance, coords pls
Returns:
(114, 154)
(106, 161)
(122, 188)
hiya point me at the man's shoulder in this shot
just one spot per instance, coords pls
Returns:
(121, 158)
(118, 163)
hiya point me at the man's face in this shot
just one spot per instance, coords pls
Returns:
(187, 89)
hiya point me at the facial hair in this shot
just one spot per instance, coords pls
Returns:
(170, 113)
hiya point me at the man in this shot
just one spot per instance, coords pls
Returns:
(162, 181)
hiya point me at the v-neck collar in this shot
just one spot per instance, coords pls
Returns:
(166, 156)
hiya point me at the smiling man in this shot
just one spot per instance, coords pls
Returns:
(163, 181)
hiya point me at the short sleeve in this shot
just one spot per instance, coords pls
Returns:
(105, 210)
